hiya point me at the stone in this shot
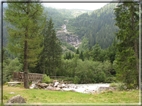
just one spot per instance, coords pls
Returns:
(49, 88)
(63, 85)
(16, 99)
(42, 85)
(33, 86)
(52, 88)
(12, 92)
(56, 84)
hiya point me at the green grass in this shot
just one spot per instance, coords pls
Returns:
(46, 96)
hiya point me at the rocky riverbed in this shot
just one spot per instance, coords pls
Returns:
(82, 88)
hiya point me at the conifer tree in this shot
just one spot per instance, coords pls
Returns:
(77, 51)
(51, 54)
(25, 25)
(81, 56)
(127, 19)
(96, 51)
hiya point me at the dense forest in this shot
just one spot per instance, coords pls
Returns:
(108, 51)
(98, 27)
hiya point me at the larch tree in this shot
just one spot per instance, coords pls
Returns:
(127, 63)
(25, 26)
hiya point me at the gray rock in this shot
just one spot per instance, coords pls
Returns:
(49, 88)
(42, 85)
(16, 99)
(56, 84)
(12, 92)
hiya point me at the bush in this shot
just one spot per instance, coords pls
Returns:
(113, 85)
(76, 80)
(10, 66)
(69, 79)
(46, 79)
(122, 86)
(110, 79)
(119, 86)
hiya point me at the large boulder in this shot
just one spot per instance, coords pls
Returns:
(52, 88)
(56, 84)
(16, 99)
(42, 85)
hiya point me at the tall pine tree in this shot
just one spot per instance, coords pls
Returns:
(51, 54)
(25, 26)
(127, 19)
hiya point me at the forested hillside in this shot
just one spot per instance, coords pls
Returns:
(59, 15)
(94, 27)
(98, 27)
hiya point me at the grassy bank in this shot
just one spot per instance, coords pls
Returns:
(45, 96)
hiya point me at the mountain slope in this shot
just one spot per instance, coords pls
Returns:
(99, 27)
(59, 15)
(96, 26)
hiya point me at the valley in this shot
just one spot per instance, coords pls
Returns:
(72, 46)
(96, 26)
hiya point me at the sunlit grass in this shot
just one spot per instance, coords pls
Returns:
(46, 96)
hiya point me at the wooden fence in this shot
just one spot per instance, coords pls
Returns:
(19, 76)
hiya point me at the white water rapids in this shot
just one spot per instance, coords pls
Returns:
(84, 88)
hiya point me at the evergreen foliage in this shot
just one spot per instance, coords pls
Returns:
(24, 33)
(127, 19)
(97, 27)
(51, 54)
(10, 66)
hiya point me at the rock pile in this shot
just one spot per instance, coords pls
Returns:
(52, 86)
(82, 88)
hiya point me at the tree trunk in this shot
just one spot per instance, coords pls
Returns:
(26, 83)
(137, 61)
(135, 46)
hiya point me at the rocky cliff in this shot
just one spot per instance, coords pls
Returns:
(65, 36)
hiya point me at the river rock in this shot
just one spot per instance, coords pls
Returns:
(56, 84)
(16, 99)
(52, 88)
(42, 85)
(49, 88)
(33, 86)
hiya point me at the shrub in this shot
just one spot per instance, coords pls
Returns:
(69, 79)
(110, 79)
(46, 79)
(122, 86)
(119, 86)
(10, 66)
(76, 80)
(113, 85)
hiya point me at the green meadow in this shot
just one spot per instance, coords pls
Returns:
(40, 96)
